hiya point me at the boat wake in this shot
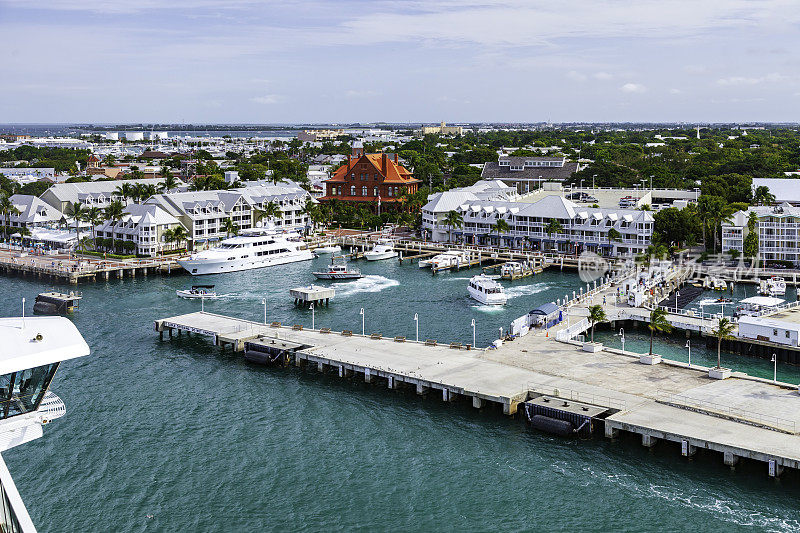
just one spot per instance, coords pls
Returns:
(365, 284)
(525, 290)
(488, 308)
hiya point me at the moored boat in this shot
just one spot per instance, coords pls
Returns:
(383, 249)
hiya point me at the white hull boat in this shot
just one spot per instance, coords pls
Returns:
(198, 291)
(486, 290)
(384, 249)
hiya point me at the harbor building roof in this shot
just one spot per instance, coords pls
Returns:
(34, 210)
(73, 192)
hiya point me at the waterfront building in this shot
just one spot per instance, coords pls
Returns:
(319, 135)
(768, 329)
(784, 189)
(527, 173)
(144, 225)
(529, 217)
(35, 173)
(368, 178)
(441, 129)
(90, 193)
(203, 213)
(33, 212)
(777, 227)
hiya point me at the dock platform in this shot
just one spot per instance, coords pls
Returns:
(312, 294)
(741, 417)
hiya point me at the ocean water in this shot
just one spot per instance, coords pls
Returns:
(179, 436)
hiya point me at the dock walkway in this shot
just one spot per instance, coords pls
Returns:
(740, 417)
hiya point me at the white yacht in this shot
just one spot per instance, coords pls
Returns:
(31, 349)
(774, 286)
(383, 249)
(449, 259)
(256, 248)
(198, 291)
(486, 290)
(329, 247)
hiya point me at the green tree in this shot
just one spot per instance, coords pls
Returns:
(750, 247)
(659, 323)
(596, 315)
(229, 227)
(762, 196)
(179, 235)
(77, 211)
(722, 332)
(7, 210)
(554, 226)
(94, 215)
(114, 211)
(453, 220)
(271, 212)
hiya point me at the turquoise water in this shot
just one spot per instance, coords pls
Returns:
(178, 436)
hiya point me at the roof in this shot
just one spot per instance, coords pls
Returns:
(395, 173)
(763, 300)
(545, 309)
(20, 349)
(784, 189)
(768, 322)
(71, 192)
(493, 170)
(34, 209)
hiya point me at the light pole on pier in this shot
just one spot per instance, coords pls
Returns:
(312, 316)
(473, 332)
(676, 301)
(622, 338)
(689, 347)
(202, 303)
(362, 321)
(416, 323)
(264, 303)
(774, 369)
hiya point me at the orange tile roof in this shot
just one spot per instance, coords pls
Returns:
(395, 173)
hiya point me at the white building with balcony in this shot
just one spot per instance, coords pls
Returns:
(778, 230)
(581, 228)
(144, 225)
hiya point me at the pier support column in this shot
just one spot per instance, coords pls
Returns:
(687, 450)
(106, 274)
(611, 432)
(321, 367)
(367, 376)
(391, 383)
(161, 335)
(421, 389)
(510, 408)
(447, 396)
(649, 441)
(730, 459)
(341, 371)
(477, 402)
(775, 469)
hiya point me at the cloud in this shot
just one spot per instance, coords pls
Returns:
(675, 91)
(633, 88)
(267, 99)
(603, 76)
(576, 76)
(360, 94)
(743, 80)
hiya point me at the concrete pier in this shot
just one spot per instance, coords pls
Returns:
(739, 418)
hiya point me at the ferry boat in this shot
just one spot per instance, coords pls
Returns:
(329, 247)
(31, 349)
(486, 290)
(255, 248)
(774, 286)
(338, 271)
(383, 249)
(198, 291)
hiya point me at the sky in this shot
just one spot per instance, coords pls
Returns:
(344, 61)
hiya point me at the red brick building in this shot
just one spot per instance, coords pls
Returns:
(368, 177)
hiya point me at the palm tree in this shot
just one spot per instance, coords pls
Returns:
(7, 209)
(114, 211)
(596, 314)
(762, 196)
(229, 227)
(453, 219)
(554, 226)
(170, 181)
(168, 236)
(94, 215)
(658, 322)
(179, 234)
(124, 191)
(271, 211)
(78, 213)
(722, 332)
(500, 226)
(311, 210)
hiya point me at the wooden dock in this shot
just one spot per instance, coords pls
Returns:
(669, 405)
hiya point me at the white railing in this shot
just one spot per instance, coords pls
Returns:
(568, 333)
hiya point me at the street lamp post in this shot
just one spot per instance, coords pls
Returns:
(264, 303)
(362, 320)
(473, 332)
(622, 338)
(202, 303)
(774, 369)
(416, 323)
(676, 301)
(312, 316)
(689, 347)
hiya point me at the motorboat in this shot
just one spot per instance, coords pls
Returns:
(256, 248)
(338, 271)
(715, 284)
(383, 249)
(486, 290)
(329, 247)
(512, 269)
(723, 300)
(198, 291)
(447, 260)
(774, 286)
(758, 305)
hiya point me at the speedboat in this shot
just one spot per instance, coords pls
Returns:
(774, 286)
(338, 272)
(486, 290)
(715, 284)
(256, 248)
(447, 260)
(329, 247)
(198, 291)
(383, 249)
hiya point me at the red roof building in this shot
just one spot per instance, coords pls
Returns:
(369, 177)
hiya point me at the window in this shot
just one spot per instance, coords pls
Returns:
(364, 190)
(22, 391)
(352, 190)
(374, 191)
(775, 332)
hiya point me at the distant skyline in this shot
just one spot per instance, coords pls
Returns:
(247, 61)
